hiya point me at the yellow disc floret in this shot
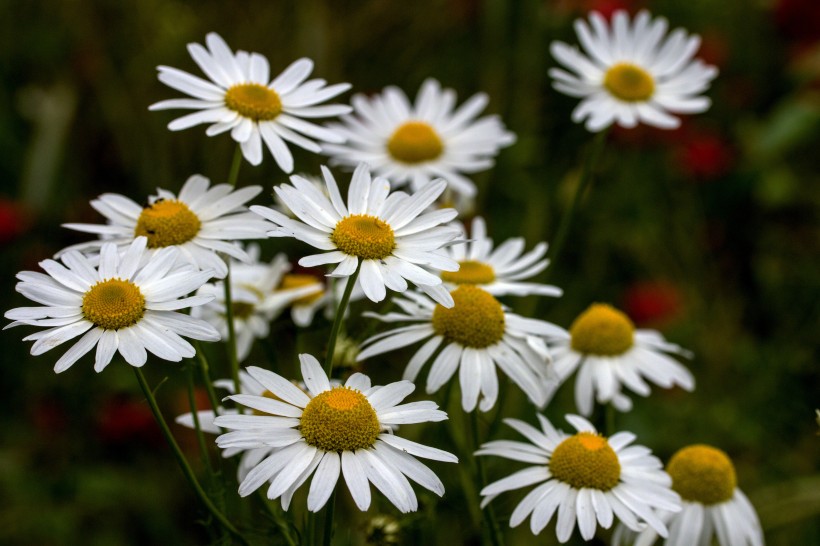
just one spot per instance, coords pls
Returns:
(602, 330)
(586, 460)
(629, 83)
(167, 222)
(476, 320)
(364, 236)
(415, 142)
(470, 272)
(254, 101)
(340, 419)
(703, 474)
(293, 280)
(114, 304)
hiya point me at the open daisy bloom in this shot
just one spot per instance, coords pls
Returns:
(632, 72)
(584, 477)
(200, 222)
(418, 143)
(128, 304)
(704, 477)
(331, 431)
(477, 334)
(388, 235)
(611, 353)
(241, 98)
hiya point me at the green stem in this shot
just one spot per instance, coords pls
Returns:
(183, 462)
(331, 505)
(277, 518)
(232, 357)
(235, 164)
(206, 376)
(609, 430)
(496, 536)
(337, 321)
(206, 460)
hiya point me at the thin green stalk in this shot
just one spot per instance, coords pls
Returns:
(609, 430)
(203, 448)
(235, 164)
(496, 536)
(206, 375)
(183, 462)
(277, 518)
(337, 321)
(331, 505)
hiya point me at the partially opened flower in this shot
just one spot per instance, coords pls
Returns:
(331, 431)
(200, 222)
(241, 98)
(418, 143)
(127, 304)
(608, 352)
(631, 72)
(586, 478)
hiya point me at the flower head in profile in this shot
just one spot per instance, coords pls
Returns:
(631, 72)
(388, 236)
(127, 304)
(609, 353)
(201, 221)
(239, 96)
(585, 478)
(330, 431)
(415, 144)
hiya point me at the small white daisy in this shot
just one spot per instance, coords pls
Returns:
(713, 506)
(632, 72)
(200, 222)
(241, 98)
(584, 477)
(128, 304)
(415, 144)
(331, 431)
(387, 234)
(477, 334)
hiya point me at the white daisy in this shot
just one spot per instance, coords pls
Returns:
(584, 477)
(475, 335)
(128, 304)
(611, 353)
(332, 431)
(713, 506)
(241, 98)
(387, 235)
(415, 144)
(500, 271)
(325, 295)
(200, 222)
(632, 72)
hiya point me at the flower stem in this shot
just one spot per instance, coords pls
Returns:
(331, 505)
(235, 164)
(206, 376)
(337, 321)
(496, 536)
(206, 460)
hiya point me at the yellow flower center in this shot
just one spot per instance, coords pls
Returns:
(340, 419)
(602, 330)
(293, 280)
(586, 460)
(470, 272)
(415, 142)
(476, 320)
(254, 101)
(703, 474)
(167, 222)
(629, 83)
(364, 236)
(242, 310)
(114, 304)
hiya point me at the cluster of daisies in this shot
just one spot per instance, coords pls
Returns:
(179, 267)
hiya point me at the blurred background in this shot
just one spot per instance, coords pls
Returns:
(708, 233)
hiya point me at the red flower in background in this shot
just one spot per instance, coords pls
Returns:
(704, 154)
(14, 220)
(652, 302)
(798, 20)
(127, 419)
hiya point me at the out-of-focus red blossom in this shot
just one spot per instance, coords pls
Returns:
(48, 417)
(15, 220)
(652, 303)
(704, 154)
(127, 419)
(798, 20)
(607, 8)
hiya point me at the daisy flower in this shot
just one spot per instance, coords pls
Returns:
(585, 478)
(387, 235)
(631, 72)
(241, 98)
(416, 144)
(476, 335)
(200, 222)
(500, 271)
(127, 304)
(325, 295)
(713, 506)
(331, 431)
(609, 353)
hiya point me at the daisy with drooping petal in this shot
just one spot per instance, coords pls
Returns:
(200, 222)
(241, 98)
(631, 72)
(477, 334)
(418, 143)
(127, 304)
(609, 353)
(330, 431)
(387, 235)
(585, 478)
(713, 506)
